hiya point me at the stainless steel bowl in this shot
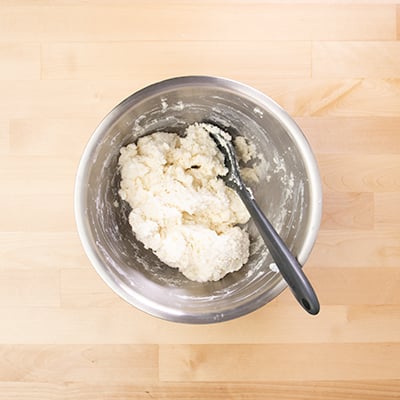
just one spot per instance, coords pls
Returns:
(289, 194)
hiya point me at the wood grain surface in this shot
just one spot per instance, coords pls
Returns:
(334, 65)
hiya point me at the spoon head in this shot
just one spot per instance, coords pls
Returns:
(224, 143)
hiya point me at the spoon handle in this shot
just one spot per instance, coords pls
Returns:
(287, 264)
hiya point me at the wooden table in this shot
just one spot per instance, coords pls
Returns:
(335, 67)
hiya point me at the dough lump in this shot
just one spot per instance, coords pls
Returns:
(181, 210)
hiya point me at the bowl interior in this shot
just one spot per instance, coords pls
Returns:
(284, 194)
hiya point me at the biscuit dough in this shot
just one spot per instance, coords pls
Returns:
(181, 210)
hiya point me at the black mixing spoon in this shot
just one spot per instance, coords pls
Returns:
(286, 262)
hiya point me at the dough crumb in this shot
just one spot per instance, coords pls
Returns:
(181, 209)
(245, 151)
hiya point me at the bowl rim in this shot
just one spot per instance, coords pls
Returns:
(80, 195)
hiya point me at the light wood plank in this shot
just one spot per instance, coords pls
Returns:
(122, 60)
(300, 97)
(270, 324)
(197, 21)
(387, 210)
(50, 136)
(365, 173)
(352, 136)
(35, 175)
(365, 99)
(83, 287)
(41, 250)
(29, 288)
(398, 21)
(4, 136)
(129, 2)
(64, 99)
(37, 212)
(19, 61)
(358, 249)
(328, 98)
(352, 286)
(44, 184)
(356, 59)
(267, 390)
(79, 363)
(348, 210)
(295, 362)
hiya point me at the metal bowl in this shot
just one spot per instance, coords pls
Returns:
(289, 194)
